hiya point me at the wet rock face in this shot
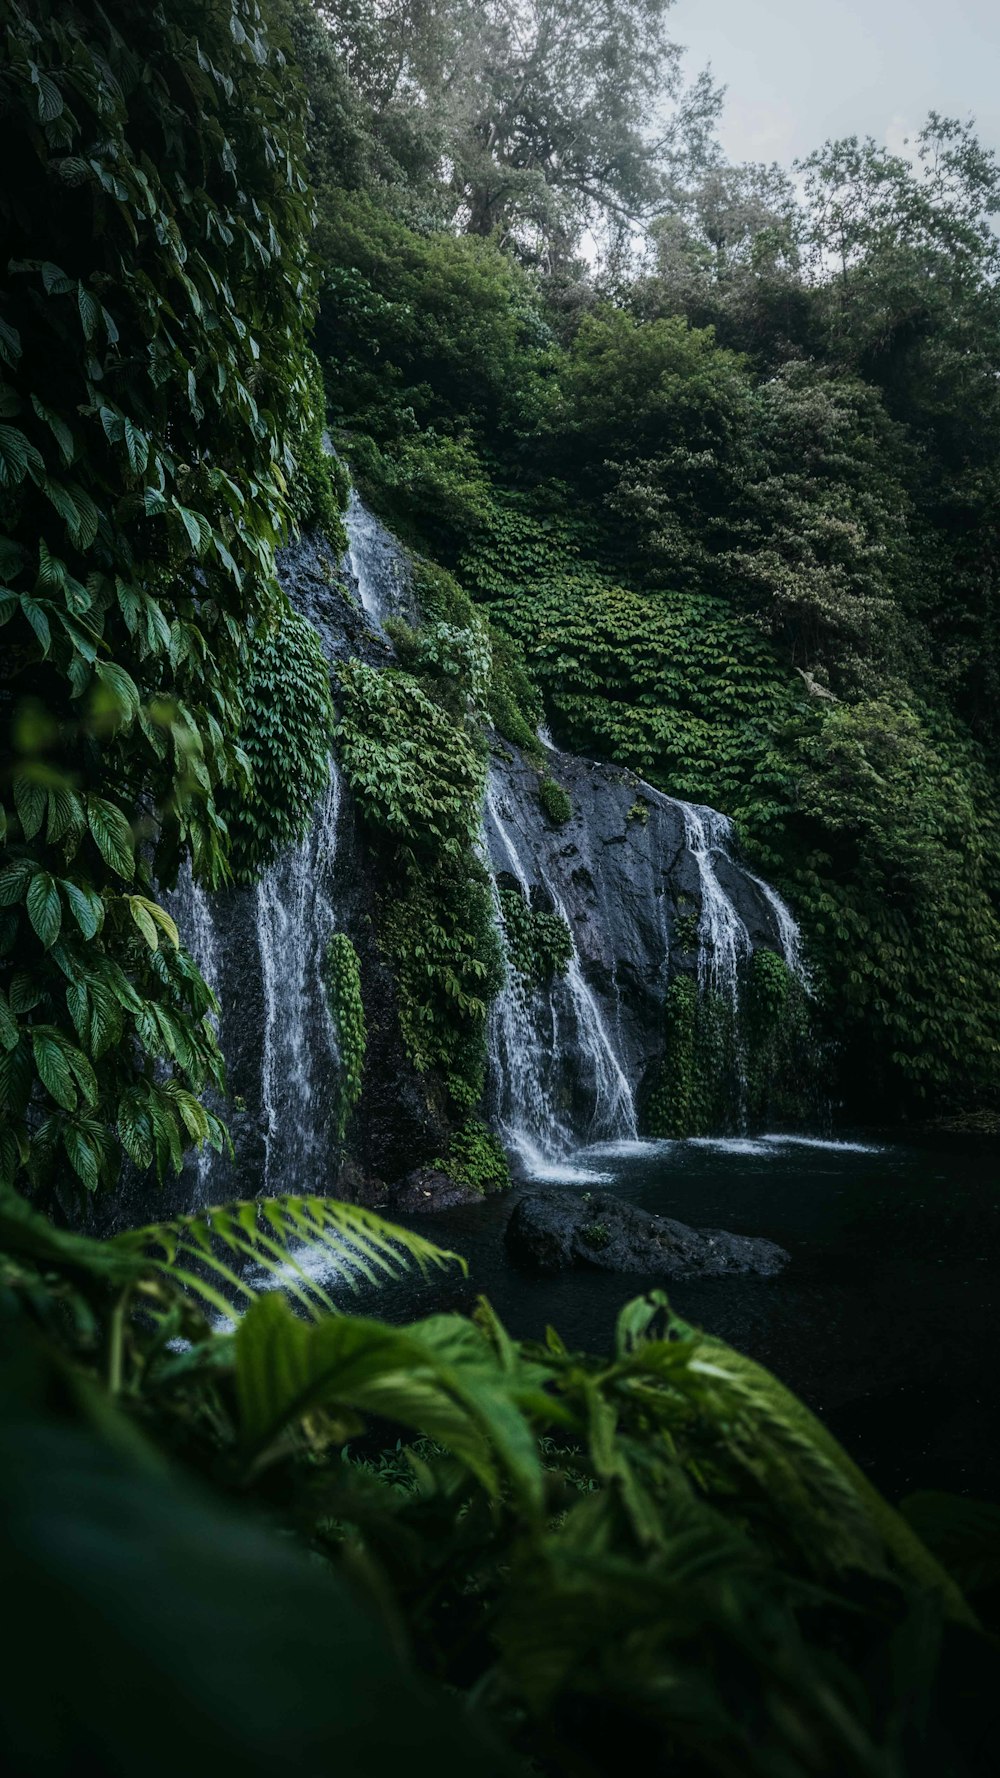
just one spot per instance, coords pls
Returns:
(552, 1231)
(629, 884)
(427, 1189)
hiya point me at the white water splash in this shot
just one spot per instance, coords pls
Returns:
(821, 1142)
(295, 920)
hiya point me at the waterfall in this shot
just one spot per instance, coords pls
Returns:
(191, 910)
(723, 937)
(789, 936)
(377, 564)
(534, 1033)
(295, 918)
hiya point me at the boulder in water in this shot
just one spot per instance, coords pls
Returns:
(554, 1230)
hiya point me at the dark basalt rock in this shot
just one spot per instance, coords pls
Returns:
(621, 867)
(552, 1231)
(427, 1189)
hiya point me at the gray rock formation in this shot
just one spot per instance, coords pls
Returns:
(567, 1059)
(554, 1230)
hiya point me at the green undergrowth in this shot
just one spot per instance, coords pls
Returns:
(539, 945)
(554, 800)
(666, 1545)
(413, 752)
(475, 1158)
(726, 1068)
(286, 736)
(342, 981)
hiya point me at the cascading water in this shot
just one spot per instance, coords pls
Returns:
(567, 1058)
(789, 935)
(296, 918)
(376, 563)
(723, 937)
(533, 1033)
(191, 909)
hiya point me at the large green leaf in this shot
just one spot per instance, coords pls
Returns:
(419, 1377)
(44, 908)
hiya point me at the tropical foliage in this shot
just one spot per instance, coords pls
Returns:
(659, 1545)
(153, 391)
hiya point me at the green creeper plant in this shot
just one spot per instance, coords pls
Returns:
(286, 735)
(342, 980)
(152, 378)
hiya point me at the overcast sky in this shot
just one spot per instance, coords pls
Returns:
(798, 71)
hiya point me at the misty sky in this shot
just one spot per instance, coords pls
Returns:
(798, 71)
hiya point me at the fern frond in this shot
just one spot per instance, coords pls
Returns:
(229, 1253)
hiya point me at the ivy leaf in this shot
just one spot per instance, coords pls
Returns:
(59, 429)
(50, 99)
(29, 799)
(121, 687)
(14, 879)
(198, 529)
(25, 992)
(112, 835)
(161, 917)
(10, 343)
(15, 451)
(65, 813)
(38, 620)
(144, 921)
(44, 908)
(86, 906)
(53, 1068)
(83, 1158)
(9, 1030)
(54, 279)
(136, 444)
(90, 309)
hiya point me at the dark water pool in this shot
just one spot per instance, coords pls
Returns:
(885, 1321)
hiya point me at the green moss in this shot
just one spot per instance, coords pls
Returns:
(342, 980)
(554, 801)
(639, 811)
(723, 1066)
(596, 1234)
(475, 1158)
(786, 1061)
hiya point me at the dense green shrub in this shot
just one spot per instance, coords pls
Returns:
(319, 488)
(475, 1158)
(413, 753)
(656, 1546)
(554, 800)
(286, 735)
(152, 382)
(539, 945)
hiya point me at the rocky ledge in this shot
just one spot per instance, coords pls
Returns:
(553, 1230)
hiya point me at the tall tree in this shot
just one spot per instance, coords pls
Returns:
(543, 117)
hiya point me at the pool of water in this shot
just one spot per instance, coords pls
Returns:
(884, 1321)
